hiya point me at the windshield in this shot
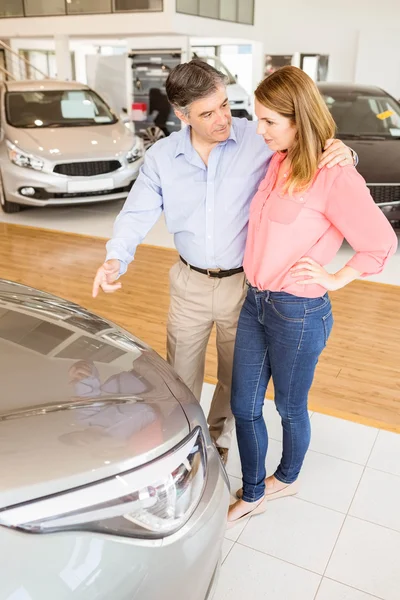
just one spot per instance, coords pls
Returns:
(57, 108)
(363, 115)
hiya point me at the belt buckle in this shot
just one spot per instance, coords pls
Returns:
(209, 271)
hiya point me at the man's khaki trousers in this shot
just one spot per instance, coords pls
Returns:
(197, 302)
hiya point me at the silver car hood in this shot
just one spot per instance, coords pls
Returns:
(80, 400)
(62, 144)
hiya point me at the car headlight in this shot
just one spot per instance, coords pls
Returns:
(136, 152)
(23, 159)
(152, 501)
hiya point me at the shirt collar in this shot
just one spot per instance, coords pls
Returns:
(232, 135)
(185, 145)
(183, 137)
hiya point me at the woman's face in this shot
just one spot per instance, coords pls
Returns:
(278, 131)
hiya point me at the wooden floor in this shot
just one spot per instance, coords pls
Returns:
(358, 377)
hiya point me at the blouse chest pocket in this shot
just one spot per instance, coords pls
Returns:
(261, 198)
(285, 210)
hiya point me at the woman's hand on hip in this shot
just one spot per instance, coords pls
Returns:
(308, 272)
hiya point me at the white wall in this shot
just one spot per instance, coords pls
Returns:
(335, 28)
(342, 50)
(378, 60)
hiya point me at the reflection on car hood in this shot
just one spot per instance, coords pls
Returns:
(379, 159)
(60, 144)
(81, 399)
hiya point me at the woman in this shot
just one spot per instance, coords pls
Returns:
(298, 220)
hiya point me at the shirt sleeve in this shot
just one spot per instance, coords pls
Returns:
(351, 209)
(140, 212)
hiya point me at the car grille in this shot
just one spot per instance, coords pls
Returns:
(385, 193)
(88, 168)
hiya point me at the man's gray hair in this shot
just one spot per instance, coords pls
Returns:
(192, 81)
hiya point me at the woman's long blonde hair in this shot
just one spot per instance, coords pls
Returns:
(292, 93)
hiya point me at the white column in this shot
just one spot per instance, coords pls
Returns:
(258, 65)
(186, 49)
(14, 65)
(296, 60)
(63, 57)
(81, 53)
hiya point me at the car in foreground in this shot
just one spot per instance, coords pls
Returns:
(61, 144)
(368, 120)
(111, 486)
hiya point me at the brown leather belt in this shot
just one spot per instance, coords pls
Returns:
(218, 273)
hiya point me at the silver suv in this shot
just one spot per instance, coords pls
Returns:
(61, 144)
(110, 485)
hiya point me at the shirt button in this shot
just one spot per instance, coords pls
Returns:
(301, 199)
(209, 237)
(209, 210)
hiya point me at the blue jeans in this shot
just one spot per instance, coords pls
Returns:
(282, 336)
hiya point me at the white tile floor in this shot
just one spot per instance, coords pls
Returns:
(339, 538)
(89, 219)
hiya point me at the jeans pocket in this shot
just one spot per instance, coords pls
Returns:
(317, 304)
(328, 324)
(288, 311)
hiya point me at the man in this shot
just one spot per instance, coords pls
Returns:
(204, 178)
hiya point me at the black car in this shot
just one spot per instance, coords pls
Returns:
(368, 120)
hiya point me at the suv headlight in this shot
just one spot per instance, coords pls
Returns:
(136, 152)
(152, 501)
(23, 159)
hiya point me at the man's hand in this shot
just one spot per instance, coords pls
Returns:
(106, 276)
(336, 153)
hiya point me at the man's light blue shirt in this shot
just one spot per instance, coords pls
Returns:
(206, 207)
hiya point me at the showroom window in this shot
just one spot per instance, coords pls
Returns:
(245, 12)
(188, 7)
(44, 61)
(38, 8)
(11, 8)
(87, 7)
(48, 8)
(237, 11)
(139, 5)
(227, 10)
(208, 8)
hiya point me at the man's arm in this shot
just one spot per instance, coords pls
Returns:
(141, 211)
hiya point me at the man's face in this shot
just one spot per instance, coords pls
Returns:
(210, 118)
